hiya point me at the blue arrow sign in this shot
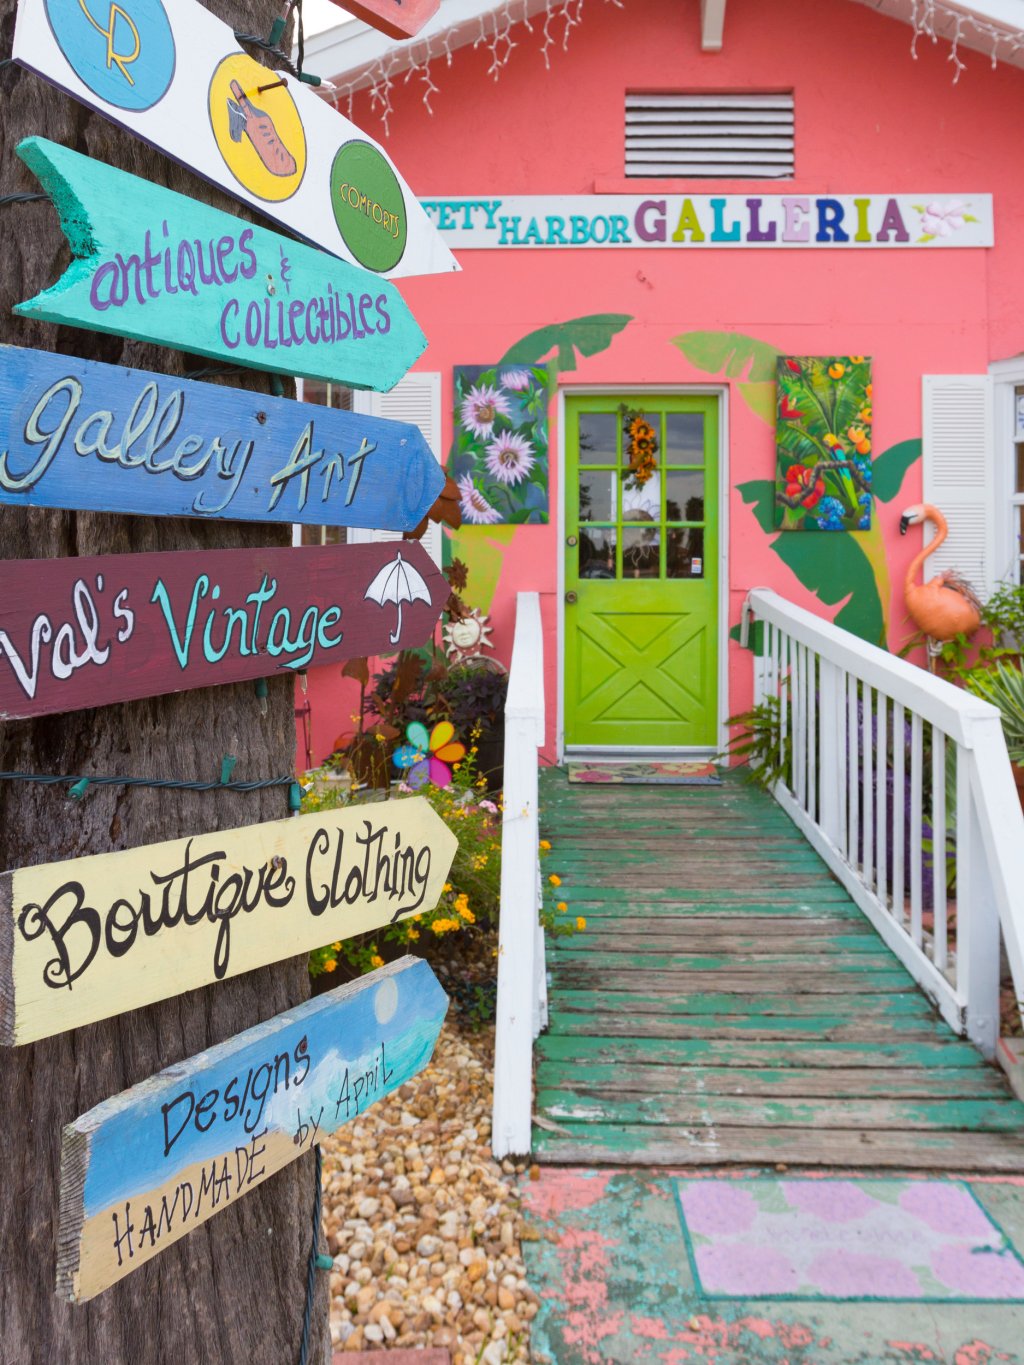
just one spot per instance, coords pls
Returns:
(147, 1166)
(78, 434)
(161, 268)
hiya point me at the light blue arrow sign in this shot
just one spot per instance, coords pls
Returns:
(75, 433)
(147, 1166)
(161, 268)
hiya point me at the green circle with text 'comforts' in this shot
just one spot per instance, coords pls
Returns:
(369, 206)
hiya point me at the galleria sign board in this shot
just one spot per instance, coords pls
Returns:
(730, 221)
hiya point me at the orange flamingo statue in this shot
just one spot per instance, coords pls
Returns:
(946, 605)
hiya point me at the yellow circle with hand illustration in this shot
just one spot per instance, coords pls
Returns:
(257, 128)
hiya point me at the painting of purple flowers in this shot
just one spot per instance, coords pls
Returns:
(499, 456)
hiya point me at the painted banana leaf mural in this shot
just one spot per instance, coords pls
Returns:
(850, 569)
(823, 443)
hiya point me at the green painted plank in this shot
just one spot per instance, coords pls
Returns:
(617, 1144)
(772, 981)
(840, 1026)
(892, 1008)
(633, 938)
(697, 1052)
(567, 952)
(807, 1082)
(700, 1111)
(745, 934)
(732, 912)
(828, 893)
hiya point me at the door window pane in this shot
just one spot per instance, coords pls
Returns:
(597, 496)
(684, 495)
(685, 553)
(641, 552)
(597, 437)
(597, 552)
(684, 438)
(1020, 468)
(641, 502)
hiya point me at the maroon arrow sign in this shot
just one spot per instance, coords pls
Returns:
(88, 632)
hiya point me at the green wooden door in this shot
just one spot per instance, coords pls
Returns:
(641, 575)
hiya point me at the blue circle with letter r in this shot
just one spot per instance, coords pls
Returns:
(123, 50)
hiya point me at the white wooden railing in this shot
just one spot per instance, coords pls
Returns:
(522, 982)
(897, 778)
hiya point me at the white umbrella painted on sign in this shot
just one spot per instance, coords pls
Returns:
(398, 582)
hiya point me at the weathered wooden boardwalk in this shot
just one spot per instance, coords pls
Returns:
(729, 1003)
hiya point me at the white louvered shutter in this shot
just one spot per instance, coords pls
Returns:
(959, 454)
(415, 399)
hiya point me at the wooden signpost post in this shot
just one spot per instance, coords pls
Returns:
(396, 18)
(156, 266)
(94, 937)
(172, 73)
(99, 629)
(78, 434)
(147, 1166)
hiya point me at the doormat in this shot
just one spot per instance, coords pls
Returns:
(830, 1240)
(667, 774)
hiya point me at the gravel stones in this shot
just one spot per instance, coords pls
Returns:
(423, 1225)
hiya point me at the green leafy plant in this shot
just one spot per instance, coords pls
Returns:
(1003, 613)
(1003, 686)
(761, 745)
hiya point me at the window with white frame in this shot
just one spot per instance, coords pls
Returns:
(328, 396)
(1017, 484)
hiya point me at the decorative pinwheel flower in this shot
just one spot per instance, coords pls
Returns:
(427, 756)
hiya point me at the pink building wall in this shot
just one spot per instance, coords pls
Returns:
(869, 119)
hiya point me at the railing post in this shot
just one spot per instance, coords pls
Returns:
(522, 998)
(830, 715)
(977, 920)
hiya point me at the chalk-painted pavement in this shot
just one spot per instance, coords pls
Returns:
(683, 1268)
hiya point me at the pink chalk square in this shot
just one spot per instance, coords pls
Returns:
(770, 1237)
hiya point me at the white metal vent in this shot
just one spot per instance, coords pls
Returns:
(710, 136)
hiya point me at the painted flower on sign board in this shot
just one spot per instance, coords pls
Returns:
(500, 452)
(942, 220)
(823, 443)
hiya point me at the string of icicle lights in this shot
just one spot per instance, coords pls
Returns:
(555, 26)
(1000, 42)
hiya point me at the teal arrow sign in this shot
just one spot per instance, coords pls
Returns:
(154, 265)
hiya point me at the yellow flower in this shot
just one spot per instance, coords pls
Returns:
(581, 923)
(474, 750)
(545, 844)
(376, 960)
(856, 360)
(413, 935)
(447, 886)
(466, 914)
(330, 965)
(336, 947)
(555, 879)
(562, 907)
(836, 371)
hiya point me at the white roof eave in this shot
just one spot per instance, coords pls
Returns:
(351, 52)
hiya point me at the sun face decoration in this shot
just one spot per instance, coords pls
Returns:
(426, 756)
(468, 637)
